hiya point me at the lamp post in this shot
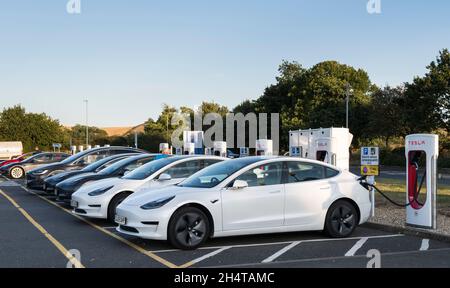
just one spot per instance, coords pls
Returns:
(348, 92)
(87, 122)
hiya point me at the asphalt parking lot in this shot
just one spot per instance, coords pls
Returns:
(37, 232)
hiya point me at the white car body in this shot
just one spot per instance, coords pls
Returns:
(97, 206)
(300, 206)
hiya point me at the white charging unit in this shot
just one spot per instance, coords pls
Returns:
(422, 152)
(264, 147)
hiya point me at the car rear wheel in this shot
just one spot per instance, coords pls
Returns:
(188, 229)
(17, 173)
(342, 219)
(113, 205)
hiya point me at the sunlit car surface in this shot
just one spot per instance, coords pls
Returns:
(249, 195)
(100, 199)
(19, 169)
(18, 159)
(66, 188)
(50, 182)
(36, 177)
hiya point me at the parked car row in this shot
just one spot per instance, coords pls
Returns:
(188, 199)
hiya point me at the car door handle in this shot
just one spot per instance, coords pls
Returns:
(275, 192)
(325, 187)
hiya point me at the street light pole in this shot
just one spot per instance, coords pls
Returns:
(348, 91)
(87, 122)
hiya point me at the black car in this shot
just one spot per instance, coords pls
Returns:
(50, 182)
(17, 170)
(35, 177)
(66, 188)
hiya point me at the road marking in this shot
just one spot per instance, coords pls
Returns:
(356, 247)
(281, 252)
(123, 240)
(327, 259)
(283, 242)
(200, 259)
(425, 245)
(75, 262)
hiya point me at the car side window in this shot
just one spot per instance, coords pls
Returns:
(184, 169)
(331, 172)
(209, 162)
(264, 175)
(304, 171)
(136, 164)
(43, 158)
(92, 157)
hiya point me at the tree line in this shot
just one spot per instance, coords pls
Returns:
(304, 98)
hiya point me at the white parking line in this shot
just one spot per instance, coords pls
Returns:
(356, 247)
(281, 252)
(204, 257)
(280, 243)
(425, 245)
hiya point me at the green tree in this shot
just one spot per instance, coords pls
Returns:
(32, 129)
(386, 116)
(97, 136)
(427, 99)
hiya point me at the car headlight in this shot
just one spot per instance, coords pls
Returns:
(40, 172)
(157, 203)
(99, 191)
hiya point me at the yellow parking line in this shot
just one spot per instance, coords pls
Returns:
(75, 262)
(123, 240)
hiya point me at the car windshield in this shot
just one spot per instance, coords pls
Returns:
(148, 169)
(104, 162)
(217, 173)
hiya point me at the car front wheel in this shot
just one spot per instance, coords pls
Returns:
(189, 228)
(17, 173)
(341, 220)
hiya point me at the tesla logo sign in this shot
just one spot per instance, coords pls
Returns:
(417, 142)
(322, 144)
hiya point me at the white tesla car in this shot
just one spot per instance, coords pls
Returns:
(249, 195)
(100, 198)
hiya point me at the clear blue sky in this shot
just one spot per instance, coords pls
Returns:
(130, 57)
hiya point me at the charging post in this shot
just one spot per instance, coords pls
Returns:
(370, 162)
(422, 152)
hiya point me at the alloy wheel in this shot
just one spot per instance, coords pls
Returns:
(190, 229)
(343, 220)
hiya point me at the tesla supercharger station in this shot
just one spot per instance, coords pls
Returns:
(189, 149)
(164, 148)
(73, 150)
(220, 148)
(193, 137)
(421, 151)
(264, 147)
(244, 152)
(179, 151)
(330, 145)
(209, 151)
(81, 148)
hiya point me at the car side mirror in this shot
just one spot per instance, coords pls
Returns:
(239, 184)
(164, 177)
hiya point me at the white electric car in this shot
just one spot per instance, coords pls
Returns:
(100, 198)
(249, 195)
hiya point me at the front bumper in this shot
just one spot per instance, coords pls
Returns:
(35, 181)
(63, 194)
(89, 206)
(143, 223)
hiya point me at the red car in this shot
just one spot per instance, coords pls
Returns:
(19, 158)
